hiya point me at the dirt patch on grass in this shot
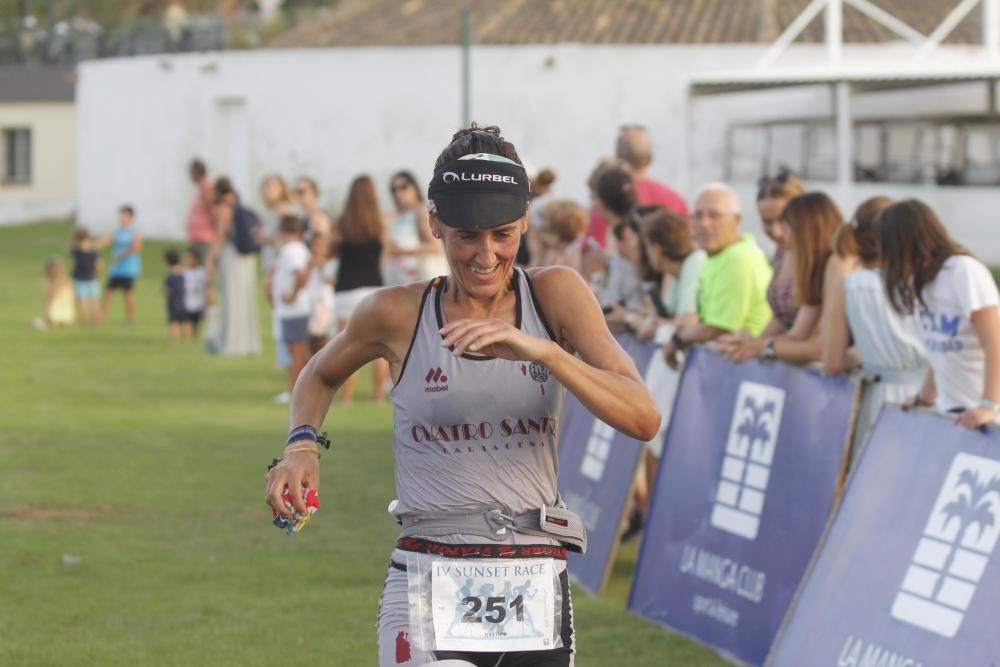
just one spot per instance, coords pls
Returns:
(21, 440)
(54, 513)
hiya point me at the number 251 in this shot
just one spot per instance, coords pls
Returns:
(496, 612)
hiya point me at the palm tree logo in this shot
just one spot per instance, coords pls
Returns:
(955, 549)
(755, 427)
(969, 509)
(746, 463)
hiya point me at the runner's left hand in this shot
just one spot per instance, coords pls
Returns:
(975, 417)
(494, 338)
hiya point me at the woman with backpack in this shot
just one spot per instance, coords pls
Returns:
(236, 331)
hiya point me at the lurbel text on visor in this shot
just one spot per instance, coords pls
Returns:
(452, 177)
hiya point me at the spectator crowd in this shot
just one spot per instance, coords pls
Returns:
(885, 292)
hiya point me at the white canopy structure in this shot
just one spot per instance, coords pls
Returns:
(924, 64)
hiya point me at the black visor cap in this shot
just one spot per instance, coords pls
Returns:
(474, 193)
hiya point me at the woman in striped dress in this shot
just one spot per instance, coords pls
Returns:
(889, 346)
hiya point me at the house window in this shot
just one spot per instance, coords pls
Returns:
(17, 155)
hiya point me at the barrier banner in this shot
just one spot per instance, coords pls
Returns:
(749, 473)
(907, 575)
(597, 466)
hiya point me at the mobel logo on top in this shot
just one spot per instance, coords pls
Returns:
(437, 379)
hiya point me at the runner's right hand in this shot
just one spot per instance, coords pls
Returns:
(297, 470)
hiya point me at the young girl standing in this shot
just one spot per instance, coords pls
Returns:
(86, 264)
(59, 310)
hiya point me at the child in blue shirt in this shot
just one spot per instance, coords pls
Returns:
(126, 262)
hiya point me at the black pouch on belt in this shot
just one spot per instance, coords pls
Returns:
(565, 526)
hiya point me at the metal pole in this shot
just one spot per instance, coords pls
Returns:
(466, 65)
(686, 150)
(845, 139)
(991, 27)
(834, 30)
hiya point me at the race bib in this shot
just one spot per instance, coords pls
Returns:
(490, 605)
(493, 605)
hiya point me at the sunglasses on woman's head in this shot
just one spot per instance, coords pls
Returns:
(781, 177)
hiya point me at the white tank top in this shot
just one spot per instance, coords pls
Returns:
(470, 431)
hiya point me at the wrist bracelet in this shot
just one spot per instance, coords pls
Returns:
(768, 353)
(992, 406)
(676, 340)
(304, 432)
(306, 448)
(307, 432)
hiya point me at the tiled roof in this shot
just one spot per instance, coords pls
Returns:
(31, 83)
(428, 22)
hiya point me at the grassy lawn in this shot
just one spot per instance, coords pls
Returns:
(132, 524)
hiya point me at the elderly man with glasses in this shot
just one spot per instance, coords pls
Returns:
(732, 285)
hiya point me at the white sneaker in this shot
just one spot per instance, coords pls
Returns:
(284, 398)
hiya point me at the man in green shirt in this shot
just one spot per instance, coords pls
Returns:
(732, 286)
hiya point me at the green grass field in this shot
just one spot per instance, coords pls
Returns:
(132, 524)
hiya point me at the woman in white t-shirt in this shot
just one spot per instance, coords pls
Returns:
(958, 309)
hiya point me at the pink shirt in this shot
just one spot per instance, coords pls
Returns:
(654, 192)
(647, 191)
(597, 228)
(200, 224)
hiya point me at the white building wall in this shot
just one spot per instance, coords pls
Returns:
(52, 190)
(335, 113)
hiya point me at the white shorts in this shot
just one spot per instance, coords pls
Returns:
(345, 302)
(396, 650)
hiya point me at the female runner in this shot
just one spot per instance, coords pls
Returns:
(480, 360)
